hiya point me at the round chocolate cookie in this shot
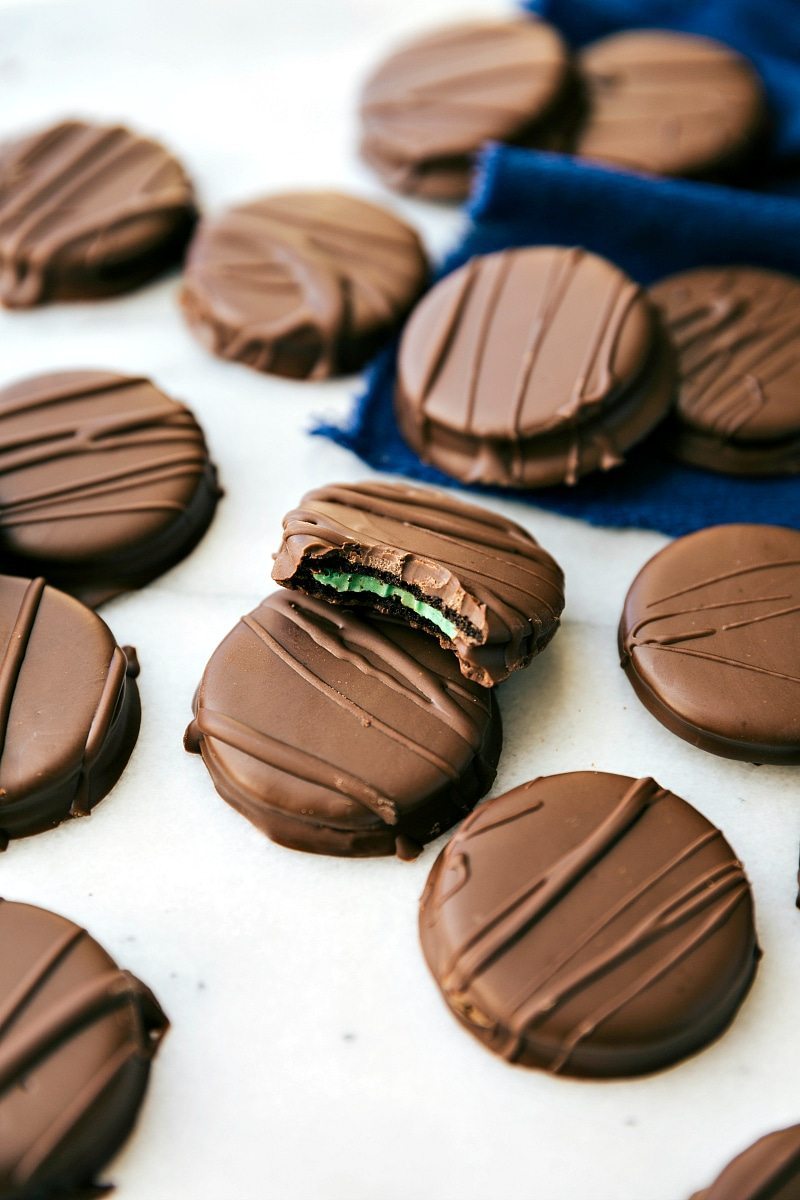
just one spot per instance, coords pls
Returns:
(339, 735)
(737, 332)
(767, 1170)
(670, 104)
(77, 1037)
(475, 580)
(88, 211)
(710, 640)
(69, 708)
(432, 104)
(532, 367)
(303, 284)
(105, 482)
(590, 925)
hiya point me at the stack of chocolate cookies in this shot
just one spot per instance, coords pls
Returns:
(355, 713)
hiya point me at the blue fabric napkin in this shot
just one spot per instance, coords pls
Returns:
(651, 227)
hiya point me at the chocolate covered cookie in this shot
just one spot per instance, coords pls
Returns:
(710, 640)
(532, 367)
(77, 1039)
(591, 925)
(69, 708)
(767, 1170)
(430, 106)
(476, 581)
(737, 333)
(670, 104)
(88, 211)
(342, 735)
(303, 284)
(105, 482)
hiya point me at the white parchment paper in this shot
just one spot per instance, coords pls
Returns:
(311, 1057)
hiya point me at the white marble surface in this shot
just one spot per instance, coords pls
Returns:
(310, 1055)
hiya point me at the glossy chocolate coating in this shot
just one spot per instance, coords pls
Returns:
(710, 640)
(105, 482)
(591, 925)
(430, 105)
(736, 331)
(532, 367)
(767, 1170)
(670, 104)
(88, 211)
(341, 735)
(77, 1037)
(69, 708)
(503, 591)
(304, 284)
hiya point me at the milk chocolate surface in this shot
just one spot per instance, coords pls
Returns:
(767, 1170)
(88, 211)
(430, 105)
(590, 924)
(736, 330)
(69, 708)
(475, 580)
(77, 1037)
(710, 640)
(105, 482)
(303, 284)
(337, 734)
(670, 104)
(532, 367)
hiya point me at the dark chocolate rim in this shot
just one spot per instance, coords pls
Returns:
(439, 812)
(100, 579)
(597, 1062)
(593, 1063)
(115, 1111)
(299, 353)
(72, 281)
(702, 739)
(727, 456)
(448, 178)
(48, 808)
(71, 1166)
(544, 461)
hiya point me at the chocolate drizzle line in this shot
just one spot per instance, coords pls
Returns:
(433, 102)
(673, 642)
(14, 654)
(487, 575)
(27, 1041)
(767, 1170)
(295, 760)
(708, 899)
(313, 259)
(401, 737)
(355, 710)
(613, 310)
(94, 999)
(146, 429)
(423, 688)
(736, 333)
(45, 209)
(503, 927)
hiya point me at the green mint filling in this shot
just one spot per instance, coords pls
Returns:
(343, 581)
